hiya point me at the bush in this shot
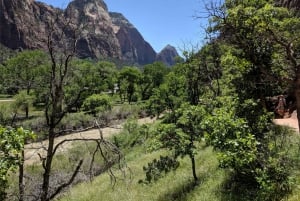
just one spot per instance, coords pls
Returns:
(76, 121)
(132, 134)
(97, 103)
(6, 114)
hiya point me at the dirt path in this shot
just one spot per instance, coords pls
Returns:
(291, 122)
(33, 150)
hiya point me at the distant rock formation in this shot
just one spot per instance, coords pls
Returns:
(24, 24)
(98, 38)
(133, 46)
(167, 55)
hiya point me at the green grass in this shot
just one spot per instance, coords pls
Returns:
(215, 183)
(176, 185)
(5, 96)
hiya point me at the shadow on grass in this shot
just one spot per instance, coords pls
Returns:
(180, 192)
(247, 190)
(233, 190)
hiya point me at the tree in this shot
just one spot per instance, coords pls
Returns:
(107, 74)
(12, 156)
(181, 133)
(62, 36)
(266, 36)
(128, 79)
(22, 101)
(254, 67)
(24, 71)
(152, 77)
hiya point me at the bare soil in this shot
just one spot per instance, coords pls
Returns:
(33, 150)
(291, 122)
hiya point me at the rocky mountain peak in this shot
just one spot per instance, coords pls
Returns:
(133, 46)
(84, 4)
(118, 20)
(24, 24)
(167, 55)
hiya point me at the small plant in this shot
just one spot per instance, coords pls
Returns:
(155, 169)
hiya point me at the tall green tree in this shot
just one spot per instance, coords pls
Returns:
(181, 132)
(255, 66)
(128, 79)
(266, 36)
(153, 76)
(24, 71)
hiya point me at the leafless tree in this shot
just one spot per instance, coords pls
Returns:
(62, 36)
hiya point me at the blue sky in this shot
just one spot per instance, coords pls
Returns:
(161, 22)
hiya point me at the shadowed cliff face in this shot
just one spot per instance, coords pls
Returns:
(24, 24)
(98, 38)
(167, 55)
(133, 45)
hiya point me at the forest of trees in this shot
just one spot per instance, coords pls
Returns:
(216, 96)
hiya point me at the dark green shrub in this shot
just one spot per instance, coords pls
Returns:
(76, 121)
(97, 103)
(156, 168)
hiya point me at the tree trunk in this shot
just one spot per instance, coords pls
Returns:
(297, 94)
(47, 166)
(194, 168)
(27, 112)
(21, 177)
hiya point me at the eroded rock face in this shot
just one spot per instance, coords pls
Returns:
(167, 55)
(133, 46)
(99, 39)
(24, 24)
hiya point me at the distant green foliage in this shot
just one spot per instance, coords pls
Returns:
(128, 79)
(22, 101)
(153, 76)
(97, 103)
(25, 71)
(133, 134)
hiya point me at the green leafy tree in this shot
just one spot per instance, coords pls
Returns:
(254, 66)
(266, 36)
(128, 79)
(94, 78)
(11, 155)
(152, 77)
(97, 103)
(24, 71)
(107, 74)
(181, 133)
(22, 101)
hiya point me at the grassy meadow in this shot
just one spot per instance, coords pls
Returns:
(215, 184)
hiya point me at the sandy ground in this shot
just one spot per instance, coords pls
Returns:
(33, 150)
(291, 122)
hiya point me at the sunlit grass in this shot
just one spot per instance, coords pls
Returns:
(176, 185)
